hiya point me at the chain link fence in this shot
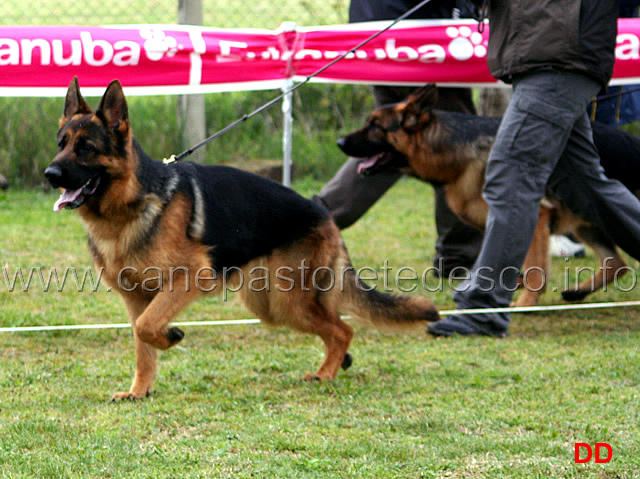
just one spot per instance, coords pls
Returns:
(267, 14)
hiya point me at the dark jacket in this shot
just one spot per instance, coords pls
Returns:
(629, 8)
(571, 35)
(371, 10)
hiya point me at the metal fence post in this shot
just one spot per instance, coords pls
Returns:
(288, 38)
(287, 135)
(191, 114)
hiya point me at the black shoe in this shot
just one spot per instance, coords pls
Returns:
(465, 326)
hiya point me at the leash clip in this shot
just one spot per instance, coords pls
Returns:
(168, 161)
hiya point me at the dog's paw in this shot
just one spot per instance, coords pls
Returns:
(174, 335)
(574, 295)
(312, 377)
(347, 361)
(128, 396)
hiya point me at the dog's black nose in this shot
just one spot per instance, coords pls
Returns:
(342, 143)
(53, 173)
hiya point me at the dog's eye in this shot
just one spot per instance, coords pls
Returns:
(62, 143)
(84, 147)
(377, 129)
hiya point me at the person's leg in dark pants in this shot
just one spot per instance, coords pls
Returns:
(595, 197)
(348, 195)
(546, 109)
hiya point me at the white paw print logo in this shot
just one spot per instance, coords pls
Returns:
(465, 43)
(157, 43)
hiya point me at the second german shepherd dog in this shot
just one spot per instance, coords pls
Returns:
(201, 227)
(452, 149)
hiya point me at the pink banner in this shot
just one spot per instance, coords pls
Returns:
(166, 59)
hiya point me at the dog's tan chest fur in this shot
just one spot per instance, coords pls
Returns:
(134, 250)
(464, 195)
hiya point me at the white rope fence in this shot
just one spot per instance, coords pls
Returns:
(525, 309)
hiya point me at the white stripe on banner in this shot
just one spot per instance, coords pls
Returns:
(199, 48)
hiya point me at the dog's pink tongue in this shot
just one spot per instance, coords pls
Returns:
(363, 165)
(65, 198)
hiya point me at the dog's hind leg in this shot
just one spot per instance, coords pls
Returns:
(536, 263)
(336, 335)
(299, 292)
(145, 354)
(612, 266)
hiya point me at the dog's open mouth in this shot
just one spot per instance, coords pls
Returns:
(373, 165)
(71, 199)
(380, 162)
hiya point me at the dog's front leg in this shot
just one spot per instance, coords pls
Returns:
(152, 325)
(145, 354)
(149, 321)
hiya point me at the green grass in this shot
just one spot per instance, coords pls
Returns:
(229, 401)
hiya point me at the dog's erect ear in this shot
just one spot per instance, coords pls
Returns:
(425, 97)
(113, 107)
(73, 103)
(417, 109)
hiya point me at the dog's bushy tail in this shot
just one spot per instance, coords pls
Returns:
(385, 310)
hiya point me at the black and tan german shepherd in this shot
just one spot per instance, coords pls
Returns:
(164, 234)
(452, 149)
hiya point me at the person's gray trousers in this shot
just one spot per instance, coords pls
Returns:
(544, 141)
